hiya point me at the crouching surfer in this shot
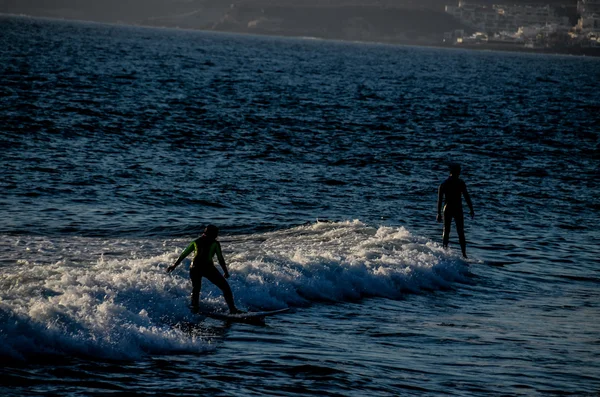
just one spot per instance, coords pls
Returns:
(205, 247)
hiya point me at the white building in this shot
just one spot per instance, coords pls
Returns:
(530, 32)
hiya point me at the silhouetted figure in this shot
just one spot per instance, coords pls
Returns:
(450, 193)
(205, 248)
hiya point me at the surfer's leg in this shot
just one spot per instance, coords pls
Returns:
(447, 227)
(217, 279)
(460, 229)
(196, 277)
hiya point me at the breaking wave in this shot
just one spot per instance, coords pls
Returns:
(112, 299)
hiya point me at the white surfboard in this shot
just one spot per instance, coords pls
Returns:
(246, 317)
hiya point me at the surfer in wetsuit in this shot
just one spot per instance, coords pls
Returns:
(205, 248)
(451, 192)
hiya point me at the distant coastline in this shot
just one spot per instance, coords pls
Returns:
(424, 41)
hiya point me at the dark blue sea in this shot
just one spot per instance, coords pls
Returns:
(320, 163)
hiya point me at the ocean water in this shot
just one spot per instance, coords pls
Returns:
(320, 163)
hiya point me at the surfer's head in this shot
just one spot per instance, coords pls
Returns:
(454, 169)
(211, 231)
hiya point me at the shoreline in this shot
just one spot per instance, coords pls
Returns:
(573, 51)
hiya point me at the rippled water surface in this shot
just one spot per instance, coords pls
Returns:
(118, 144)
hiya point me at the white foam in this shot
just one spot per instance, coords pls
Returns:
(337, 262)
(112, 299)
(109, 308)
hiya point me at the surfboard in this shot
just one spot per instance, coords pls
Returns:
(246, 317)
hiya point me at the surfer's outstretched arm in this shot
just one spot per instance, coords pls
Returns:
(468, 200)
(183, 255)
(221, 260)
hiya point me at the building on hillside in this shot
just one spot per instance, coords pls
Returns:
(505, 18)
(454, 36)
(533, 31)
(588, 7)
(589, 17)
(589, 23)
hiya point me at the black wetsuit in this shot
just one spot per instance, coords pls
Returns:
(450, 193)
(203, 266)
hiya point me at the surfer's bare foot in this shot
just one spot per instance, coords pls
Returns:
(235, 310)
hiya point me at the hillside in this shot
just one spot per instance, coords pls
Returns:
(136, 11)
(399, 21)
(364, 23)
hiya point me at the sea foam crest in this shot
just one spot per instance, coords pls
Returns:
(55, 301)
(337, 262)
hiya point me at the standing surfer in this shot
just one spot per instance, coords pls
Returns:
(450, 193)
(205, 247)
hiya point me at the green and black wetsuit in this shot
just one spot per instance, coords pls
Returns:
(203, 266)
